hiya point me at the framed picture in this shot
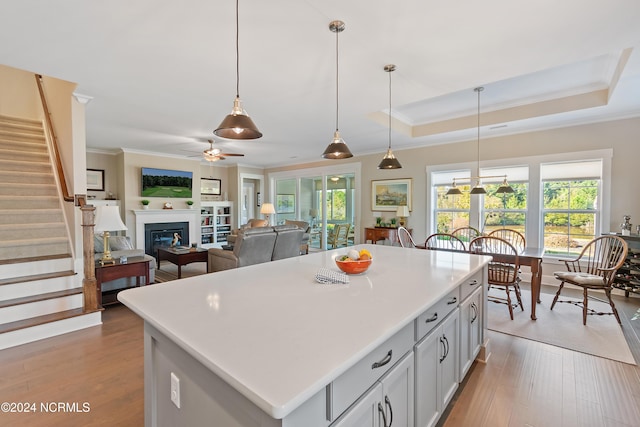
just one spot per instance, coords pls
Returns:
(212, 187)
(388, 194)
(258, 199)
(95, 179)
(285, 203)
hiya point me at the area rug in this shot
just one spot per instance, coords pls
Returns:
(169, 271)
(562, 327)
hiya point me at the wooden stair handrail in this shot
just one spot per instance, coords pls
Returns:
(56, 153)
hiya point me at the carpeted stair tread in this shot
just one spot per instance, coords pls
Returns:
(33, 258)
(7, 177)
(35, 146)
(19, 120)
(41, 320)
(21, 165)
(40, 297)
(32, 277)
(38, 241)
(24, 156)
(19, 189)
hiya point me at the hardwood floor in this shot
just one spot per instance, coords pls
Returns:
(525, 383)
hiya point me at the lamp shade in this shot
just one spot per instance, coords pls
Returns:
(267, 209)
(108, 219)
(402, 211)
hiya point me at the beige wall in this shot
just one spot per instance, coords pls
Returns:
(621, 136)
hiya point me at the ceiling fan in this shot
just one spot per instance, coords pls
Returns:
(212, 154)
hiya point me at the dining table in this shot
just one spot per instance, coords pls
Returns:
(532, 258)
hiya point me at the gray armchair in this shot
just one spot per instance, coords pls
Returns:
(288, 241)
(304, 244)
(252, 246)
(252, 223)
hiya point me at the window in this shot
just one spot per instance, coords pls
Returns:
(570, 205)
(451, 212)
(561, 201)
(508, 210)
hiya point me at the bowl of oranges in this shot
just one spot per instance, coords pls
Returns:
(354, 262)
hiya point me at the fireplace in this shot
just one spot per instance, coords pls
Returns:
(161, 234)
(187, 220)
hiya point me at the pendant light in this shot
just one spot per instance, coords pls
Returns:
(478, 188)
(389, 161)
(337, 149)
(238, 124)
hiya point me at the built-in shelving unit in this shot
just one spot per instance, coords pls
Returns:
(628, 276)
(215, 223)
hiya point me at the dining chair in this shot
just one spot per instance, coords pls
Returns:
(502, 271)
(466, 234)
(512, 236)
(444, 241)
(595, 268)
(405, 239)
(340, 235)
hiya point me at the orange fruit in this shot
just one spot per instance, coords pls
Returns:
(364, 257)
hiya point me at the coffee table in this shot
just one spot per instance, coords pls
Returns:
(182, 257)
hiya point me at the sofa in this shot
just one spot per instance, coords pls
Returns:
(122, 246)
(257, 245)
(252, 223)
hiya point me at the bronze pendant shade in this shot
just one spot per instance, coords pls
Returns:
(337, 149)
(389, 161)
(238, 124)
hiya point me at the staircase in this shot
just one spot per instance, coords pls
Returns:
(40, 293)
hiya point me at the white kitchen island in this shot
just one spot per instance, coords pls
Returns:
(267, 345)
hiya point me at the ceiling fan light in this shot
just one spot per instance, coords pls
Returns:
(389, 161)
(337, 149)
(238, 124)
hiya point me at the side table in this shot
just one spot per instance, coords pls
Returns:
(134, 267)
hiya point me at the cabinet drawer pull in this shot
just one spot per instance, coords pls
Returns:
(473, 282)
(452, 301)
(444, 350)
(384, 361)
(474, 307)
(432, 318)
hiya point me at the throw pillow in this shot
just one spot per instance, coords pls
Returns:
(120, 243)
(98, 243)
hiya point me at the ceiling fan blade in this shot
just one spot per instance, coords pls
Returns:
(231, 154)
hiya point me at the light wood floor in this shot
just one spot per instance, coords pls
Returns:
(525, 383)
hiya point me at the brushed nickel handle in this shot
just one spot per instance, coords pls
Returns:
(452, 301)
(473, 282)
(384, 361)
(384, 417)
(387, 402)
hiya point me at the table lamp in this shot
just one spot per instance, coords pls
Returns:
(267, 209)
(402, 212)
(108, 219)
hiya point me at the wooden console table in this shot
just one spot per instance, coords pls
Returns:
(380, 233)
(134, 267)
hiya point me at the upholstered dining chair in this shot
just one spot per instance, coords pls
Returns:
(405, 239)
(595, 268)
(503, 271)
(512, 236)
(444, 241)
(466, 234)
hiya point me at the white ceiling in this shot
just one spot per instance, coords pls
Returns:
(162, 74)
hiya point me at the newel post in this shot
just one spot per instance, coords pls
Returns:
(89, 283)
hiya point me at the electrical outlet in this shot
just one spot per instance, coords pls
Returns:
(175, 390)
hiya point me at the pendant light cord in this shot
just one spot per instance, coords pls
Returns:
(237, 51)
(478, 90)
(390, 109)
(337, 83)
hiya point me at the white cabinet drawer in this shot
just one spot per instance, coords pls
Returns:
(471, 284)
(349, 386)
(431, 317)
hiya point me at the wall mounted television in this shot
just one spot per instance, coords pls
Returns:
(166, 183)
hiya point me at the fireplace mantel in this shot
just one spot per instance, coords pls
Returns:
(153, 216)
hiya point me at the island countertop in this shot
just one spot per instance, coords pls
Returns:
(277, 336)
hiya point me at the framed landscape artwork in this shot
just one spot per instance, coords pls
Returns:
(95, 179)
(285, 203)
(210, 186)
(388, 194)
